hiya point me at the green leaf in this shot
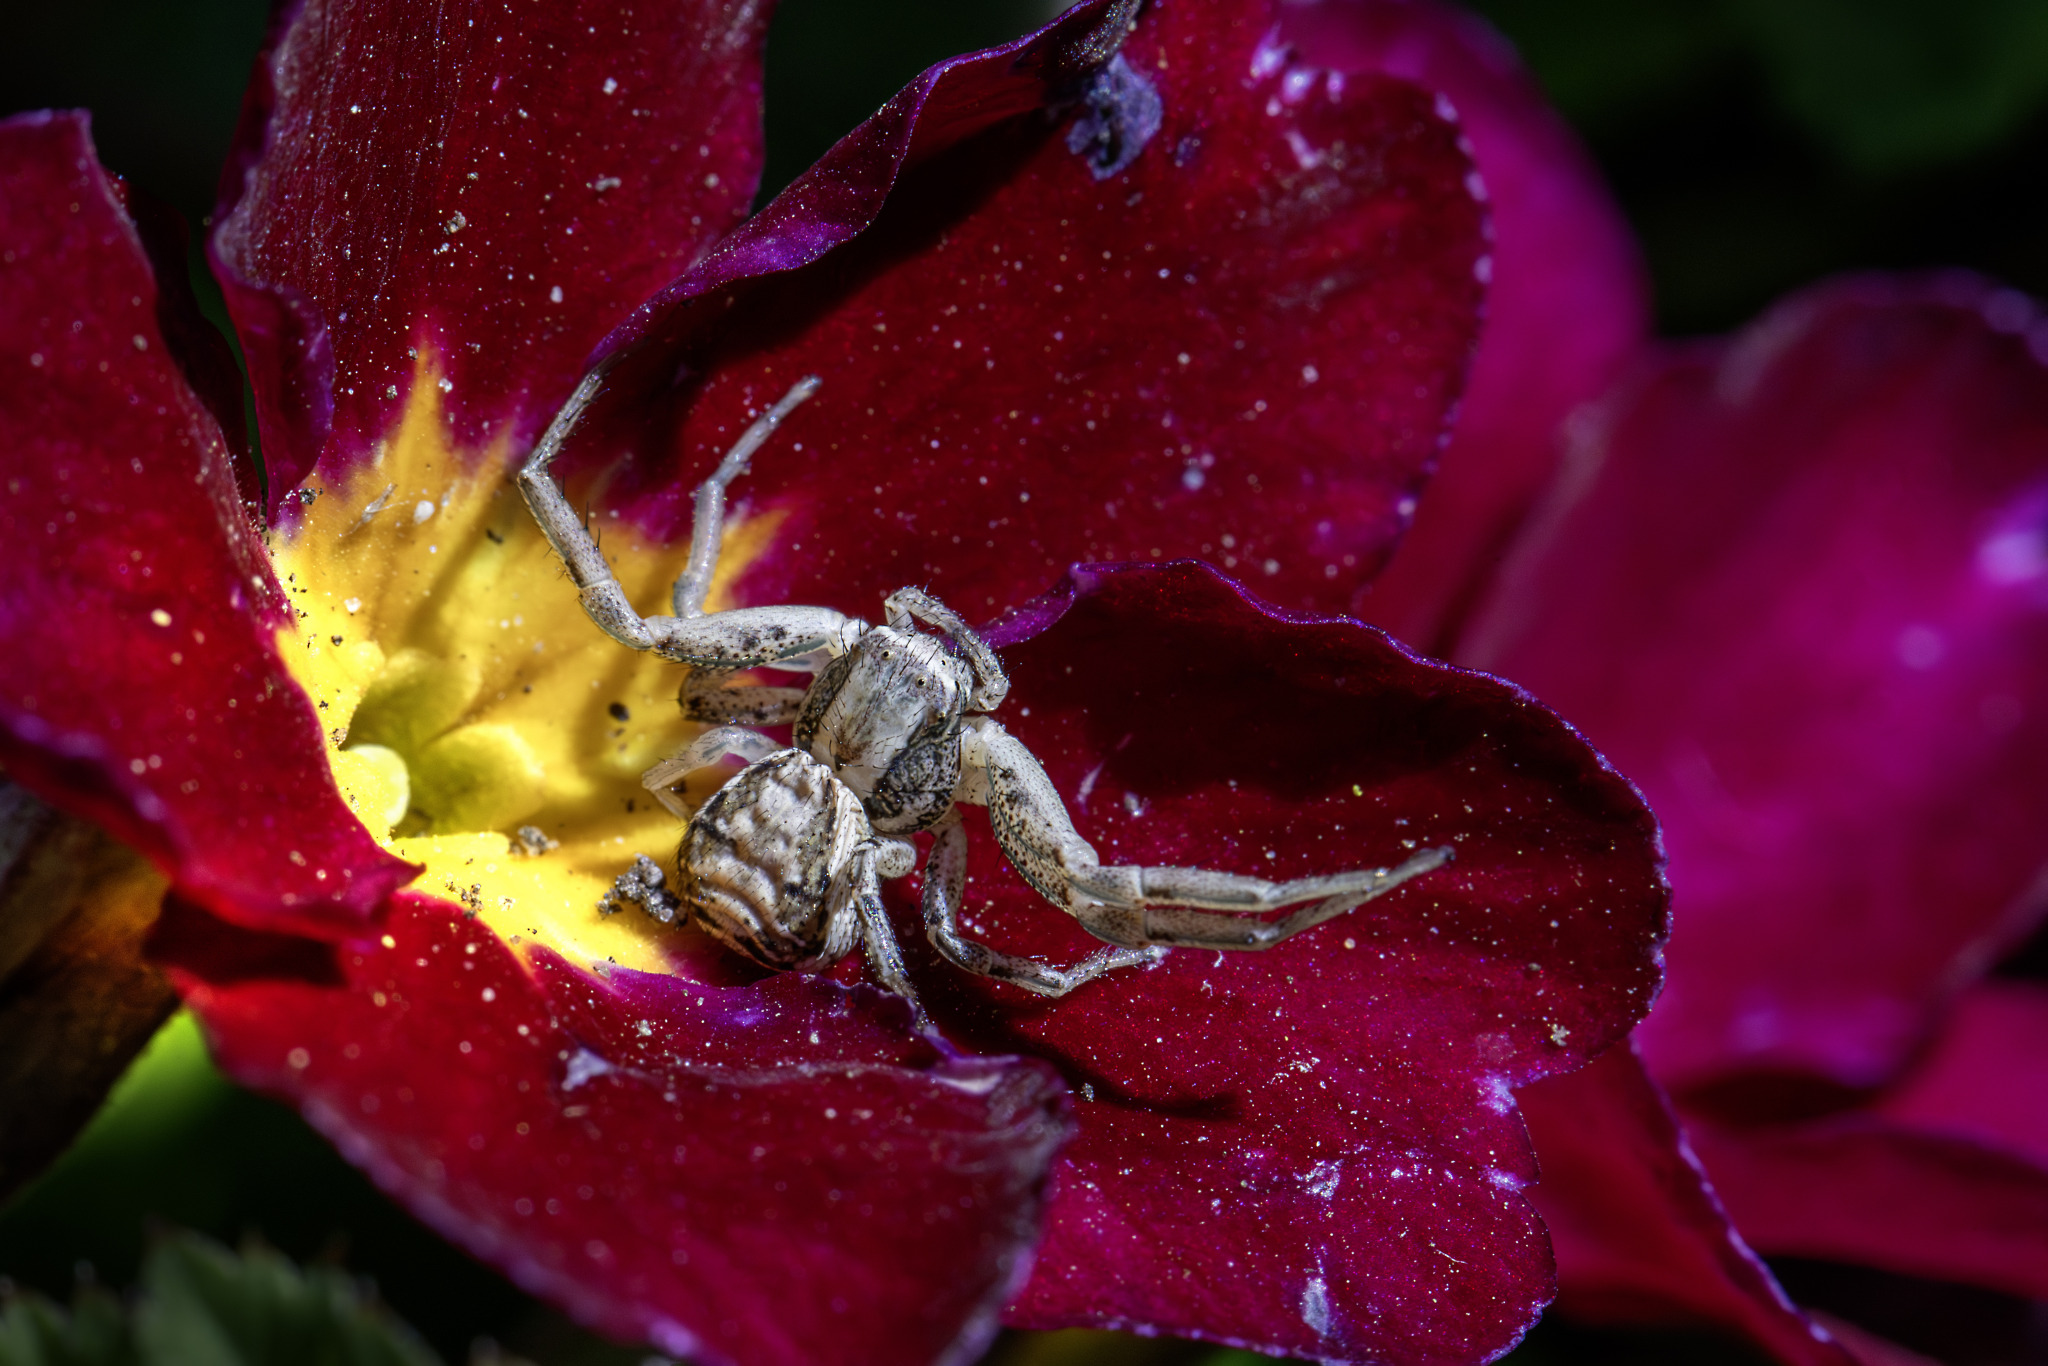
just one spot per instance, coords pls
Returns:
(35, 1332)
(1894, 84)
(1602, 62)
(1881, 86)
(202, 1303)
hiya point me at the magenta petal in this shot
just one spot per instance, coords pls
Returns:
(757, 1174)
(1986, 1075)
(1567, 305)
(1945, 1175)
(1865, 1190)
(1312, 1149)
(140, 687)
(1798, 591)
(1639, 1233)
(499, 185)
(1242, 343)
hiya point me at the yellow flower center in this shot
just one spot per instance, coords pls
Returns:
(465, 695)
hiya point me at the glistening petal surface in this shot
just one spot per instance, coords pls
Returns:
(1230, 324)
(139, 686)
(1310, 1149)
(738, 1173)
(493, 186)
(1796, 586)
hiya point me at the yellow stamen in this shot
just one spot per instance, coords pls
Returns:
(465, 694)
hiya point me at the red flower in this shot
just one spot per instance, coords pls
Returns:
(1796, 585)
(1792, 584)
(1209, 295)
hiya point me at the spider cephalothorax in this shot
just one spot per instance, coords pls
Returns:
(783, 863)
(885, 717)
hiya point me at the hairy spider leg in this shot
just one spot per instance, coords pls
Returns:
(707, 527)
(708, 696)
(1133, 906)
(737, 639)
(873, 860)
(703, 752)
(991, 684)
(945, 884)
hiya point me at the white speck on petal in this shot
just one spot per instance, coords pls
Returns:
(583, 1066)
(1315, 1305)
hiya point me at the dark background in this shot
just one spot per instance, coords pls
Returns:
(1756, 145)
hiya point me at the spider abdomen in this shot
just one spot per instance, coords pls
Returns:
(759, 859)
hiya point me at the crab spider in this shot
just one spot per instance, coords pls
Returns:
(784, 862)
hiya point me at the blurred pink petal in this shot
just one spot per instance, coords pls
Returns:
(1985, 1076)
(1639, 1233)
(1567, 304)
(1796, 586)
(1865, 1190)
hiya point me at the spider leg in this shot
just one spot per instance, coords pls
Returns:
(706, 695)
(727, 640)
(703, 752)
(747, 637)
(945, 881)
(862, 890)
(991, 684)
(707, 528)
(1176, 924)
(1132, 906)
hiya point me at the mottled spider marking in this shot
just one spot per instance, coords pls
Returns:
(760, 858)
(885, 716)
